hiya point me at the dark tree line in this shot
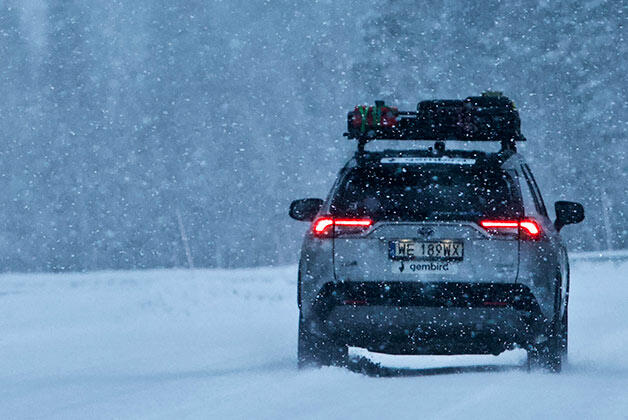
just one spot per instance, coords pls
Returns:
(564, 63)
(148, 133)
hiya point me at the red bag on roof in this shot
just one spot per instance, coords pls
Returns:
(372, 117)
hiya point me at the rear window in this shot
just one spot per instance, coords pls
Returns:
(447, 192)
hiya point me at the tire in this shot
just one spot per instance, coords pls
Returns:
(547, 355)
(564, 339)
(313, 351)
(552, 353)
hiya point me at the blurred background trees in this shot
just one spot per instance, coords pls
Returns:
(116, 118)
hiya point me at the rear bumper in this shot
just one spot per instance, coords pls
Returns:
(427, 318)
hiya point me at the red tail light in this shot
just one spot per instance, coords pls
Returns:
(322, 225)
(531, 226)
(526, 228)
(325, 226)
(498, 224)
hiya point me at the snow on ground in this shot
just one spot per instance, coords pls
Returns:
(222, 344)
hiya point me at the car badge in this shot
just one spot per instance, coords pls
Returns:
(425, 232)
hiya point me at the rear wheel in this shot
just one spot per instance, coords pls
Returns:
(564, 345)
(315, 351)
(552, 353)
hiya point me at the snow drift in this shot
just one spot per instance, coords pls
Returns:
(222, 344)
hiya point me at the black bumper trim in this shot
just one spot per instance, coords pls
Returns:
(429, 294)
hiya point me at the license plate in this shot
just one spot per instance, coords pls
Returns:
(425, 267)
(408, 249)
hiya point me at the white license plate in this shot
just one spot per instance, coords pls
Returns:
(443, 250)
(425, 267)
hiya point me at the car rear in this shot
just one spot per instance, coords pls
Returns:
(425, 257)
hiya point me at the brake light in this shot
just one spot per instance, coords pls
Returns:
(353, 222)
(531, 226)
(325, 226)
(528, 228)
(498, 224)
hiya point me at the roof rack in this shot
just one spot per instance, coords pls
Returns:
(490, 117)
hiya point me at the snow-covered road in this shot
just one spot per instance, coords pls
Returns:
(222, 344)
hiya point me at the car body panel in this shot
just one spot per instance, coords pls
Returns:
(363, 258)
(366, 257)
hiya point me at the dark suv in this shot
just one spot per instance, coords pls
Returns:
(433, 251)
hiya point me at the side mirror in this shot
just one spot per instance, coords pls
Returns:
(568, 212)
(305, 209)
